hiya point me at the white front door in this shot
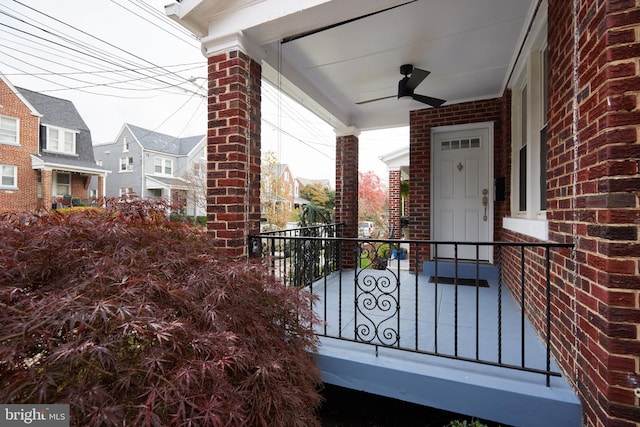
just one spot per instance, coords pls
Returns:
(462, 195)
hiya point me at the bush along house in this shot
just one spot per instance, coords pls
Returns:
(46, 154)
(525, 132)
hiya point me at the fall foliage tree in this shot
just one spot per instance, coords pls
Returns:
(196, 179)
(372, 196)
(319, 195)
(273, 192)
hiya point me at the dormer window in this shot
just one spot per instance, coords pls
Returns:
(61, 140)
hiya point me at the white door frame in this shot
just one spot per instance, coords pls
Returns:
(489, 126)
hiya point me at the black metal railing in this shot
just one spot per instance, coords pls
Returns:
(302, 255)
(404, 294)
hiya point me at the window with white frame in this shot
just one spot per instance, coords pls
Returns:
(125, 191)
(61, 140)
(125, 144)
(8, 177)
(126, 164)
(9, 130)
(529, 140)
(163, 166)
(63, 183)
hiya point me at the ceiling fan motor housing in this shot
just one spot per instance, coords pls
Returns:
(406, 69)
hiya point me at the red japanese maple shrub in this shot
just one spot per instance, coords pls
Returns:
(134, 320)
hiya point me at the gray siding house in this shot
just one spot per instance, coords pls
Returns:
(150, 164)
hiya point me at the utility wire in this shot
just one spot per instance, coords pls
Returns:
(98, 39)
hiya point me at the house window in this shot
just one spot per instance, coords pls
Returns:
(529, 110)
(9, 130)
(8, 177)
(61, 140)
(522, 152)
(63, 184)
(126, 164)
(125, 144)
(125, 191)
(163, 166)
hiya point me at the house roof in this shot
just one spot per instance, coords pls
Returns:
(62, 113)
(166, 182)
(160, 142)
(55, 111)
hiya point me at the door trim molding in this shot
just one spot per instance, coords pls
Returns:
(489, 126)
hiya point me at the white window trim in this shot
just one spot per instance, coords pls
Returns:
(17, 143)
(163, 161)
(62, 131)
(532, 222)
(129, 167)
(125, 145)
(538, 229)
(15, 178)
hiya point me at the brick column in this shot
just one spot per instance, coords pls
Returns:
(346, 209)
(394, 203)
(101, 186)
(233, 149)
(46, 184)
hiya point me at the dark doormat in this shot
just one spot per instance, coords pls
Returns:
(482, 283)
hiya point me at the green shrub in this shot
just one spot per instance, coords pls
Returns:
(133, 319)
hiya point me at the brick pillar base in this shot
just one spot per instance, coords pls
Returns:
(233, 151)
(347, 192)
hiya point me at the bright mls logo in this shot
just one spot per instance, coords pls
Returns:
(34, 415)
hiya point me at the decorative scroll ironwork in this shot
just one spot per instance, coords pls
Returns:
(377, 297)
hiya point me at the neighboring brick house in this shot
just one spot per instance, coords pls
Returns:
(155, 165)
(46, 155)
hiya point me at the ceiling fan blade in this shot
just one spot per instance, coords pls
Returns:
(374, 100)
(434, 102)
(417, 76)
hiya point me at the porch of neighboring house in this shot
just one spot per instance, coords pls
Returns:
(64, 188)
(449, 335)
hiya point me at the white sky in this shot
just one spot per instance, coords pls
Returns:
(75, 59)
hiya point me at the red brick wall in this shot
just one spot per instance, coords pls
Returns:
(26, 197)
(346, 209)
(394, 203)
(233, 147)
(421, 122)
(593, 183)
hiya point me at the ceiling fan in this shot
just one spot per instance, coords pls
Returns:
(407, 85)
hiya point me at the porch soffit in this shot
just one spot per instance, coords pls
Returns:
(470, 48)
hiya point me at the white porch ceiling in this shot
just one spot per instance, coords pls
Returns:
(469, 46)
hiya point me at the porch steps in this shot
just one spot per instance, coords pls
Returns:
(466, 269)
(486, 392)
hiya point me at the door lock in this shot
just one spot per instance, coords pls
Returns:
(485, 202)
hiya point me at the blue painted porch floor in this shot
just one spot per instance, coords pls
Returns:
(489, 392)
